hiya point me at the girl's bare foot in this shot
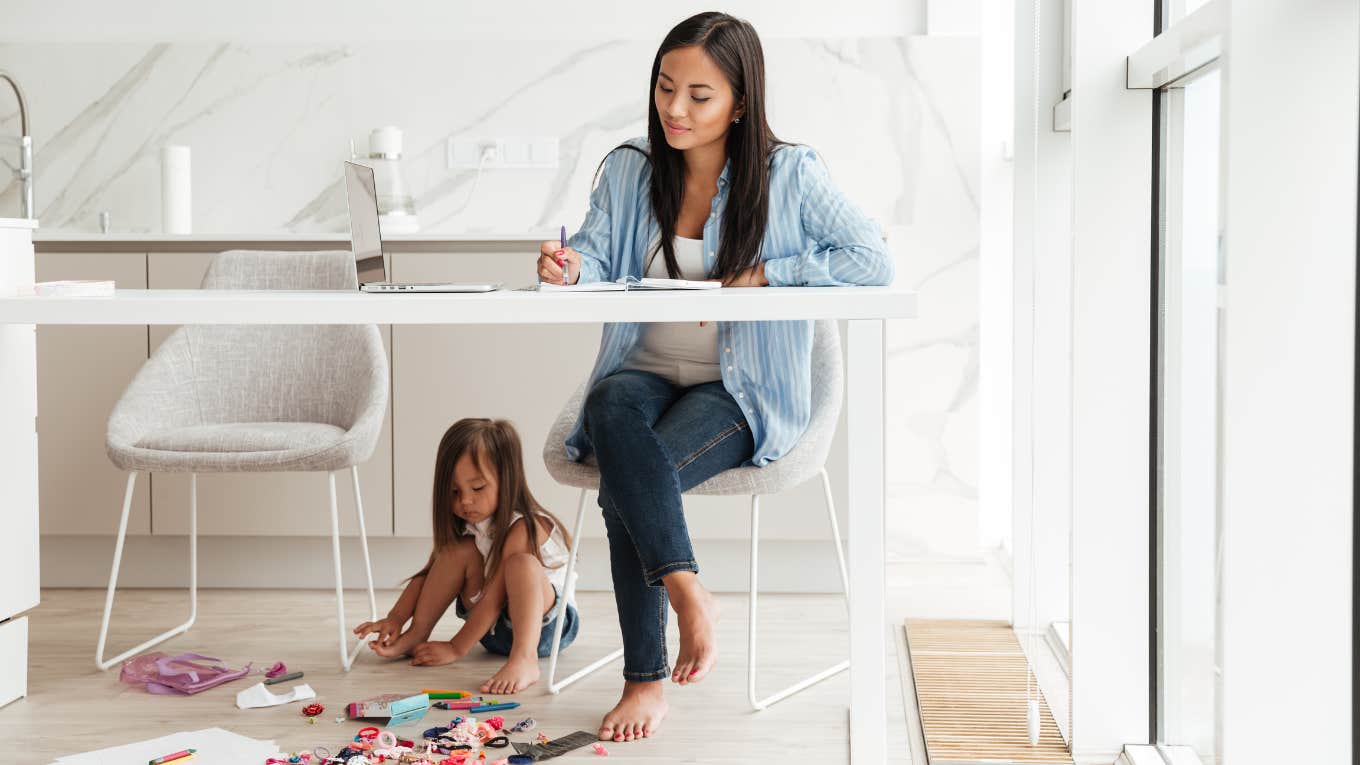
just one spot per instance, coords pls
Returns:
(519, 673)
(637, 715)
(401, 646)
(435, 653)
(696, 614)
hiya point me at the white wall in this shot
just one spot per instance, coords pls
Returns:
(363, 21)
(1290, 118)
(1111, 289)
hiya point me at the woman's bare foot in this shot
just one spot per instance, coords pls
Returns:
(401, 646)
(637, 715)
(696, 614)
(518, 673)
(435, 653)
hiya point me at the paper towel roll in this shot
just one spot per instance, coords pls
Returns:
(177, 209)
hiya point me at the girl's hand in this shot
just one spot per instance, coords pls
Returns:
(387, 630)
(553, 257)
(748, 277)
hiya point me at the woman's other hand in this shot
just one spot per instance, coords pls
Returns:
(748, 277)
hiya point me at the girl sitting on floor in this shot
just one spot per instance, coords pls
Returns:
(498, 552)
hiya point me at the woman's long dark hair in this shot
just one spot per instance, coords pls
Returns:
(494, 444)
(735, 48)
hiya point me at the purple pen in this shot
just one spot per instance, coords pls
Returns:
(563, 241)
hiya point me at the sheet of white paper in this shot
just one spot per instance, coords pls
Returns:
(259, 696)
(214, 746)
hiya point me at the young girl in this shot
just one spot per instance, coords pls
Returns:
(497, 551)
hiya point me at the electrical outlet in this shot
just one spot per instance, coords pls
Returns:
(508, 152)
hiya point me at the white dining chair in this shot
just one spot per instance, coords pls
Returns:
(807, 460)
(254, 398)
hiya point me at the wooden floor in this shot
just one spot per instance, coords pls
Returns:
(72, 707)
(971, 681)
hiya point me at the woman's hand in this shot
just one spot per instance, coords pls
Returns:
(553, 257)
(387, 630)
(748, 277)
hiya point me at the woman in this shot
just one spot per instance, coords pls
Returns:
(711, 193)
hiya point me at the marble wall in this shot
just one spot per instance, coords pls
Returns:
(896, 118)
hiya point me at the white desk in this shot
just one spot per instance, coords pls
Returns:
(865, 308)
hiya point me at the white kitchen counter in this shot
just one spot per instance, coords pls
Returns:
(57, 241)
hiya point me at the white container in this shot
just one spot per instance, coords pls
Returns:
(177, 207)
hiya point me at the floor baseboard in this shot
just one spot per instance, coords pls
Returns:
(305, 562)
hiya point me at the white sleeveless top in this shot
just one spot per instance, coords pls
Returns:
(553, 551)
(682, 352)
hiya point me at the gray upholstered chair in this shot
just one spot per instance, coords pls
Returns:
(804, 462)
(222, 399)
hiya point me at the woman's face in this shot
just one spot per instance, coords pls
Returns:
(474, 490)
(693, 99)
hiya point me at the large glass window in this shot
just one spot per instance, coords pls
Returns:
(1188, 521)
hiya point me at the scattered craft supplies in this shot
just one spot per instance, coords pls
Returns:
(437, 693)
(557, 746)
(398, 708)
(185, 673)
(258, 696)
(527, 723)
(283, 678)
(172, 757)
(494, 707)
(278, 669)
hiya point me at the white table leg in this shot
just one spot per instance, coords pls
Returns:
(866, 359)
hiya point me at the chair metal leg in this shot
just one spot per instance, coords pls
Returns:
(363, 544)
(99, 659)
(348, 654)
(758, 703)
(555, 686)
(836, 538)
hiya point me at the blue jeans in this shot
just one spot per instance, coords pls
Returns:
(652, 441)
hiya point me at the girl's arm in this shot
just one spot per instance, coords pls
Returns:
(847, 246)
(406, 603)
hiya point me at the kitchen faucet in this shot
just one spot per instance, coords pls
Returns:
(25, 142)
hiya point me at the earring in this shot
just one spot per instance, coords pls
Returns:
(736, 121)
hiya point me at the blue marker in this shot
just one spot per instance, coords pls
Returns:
(494, 707)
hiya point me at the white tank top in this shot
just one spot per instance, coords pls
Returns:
(553, 551)
(682, 352)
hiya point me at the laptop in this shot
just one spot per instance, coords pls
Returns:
(366, 239)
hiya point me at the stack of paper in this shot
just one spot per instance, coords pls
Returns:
(213, 746)
(628, 283)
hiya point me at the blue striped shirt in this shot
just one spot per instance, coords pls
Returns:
(814, 237)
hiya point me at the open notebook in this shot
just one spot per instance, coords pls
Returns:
(628, 283)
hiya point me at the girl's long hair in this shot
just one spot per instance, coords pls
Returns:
(734, 46)
(494, 445)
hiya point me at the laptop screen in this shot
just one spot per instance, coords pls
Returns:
(366, 238)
